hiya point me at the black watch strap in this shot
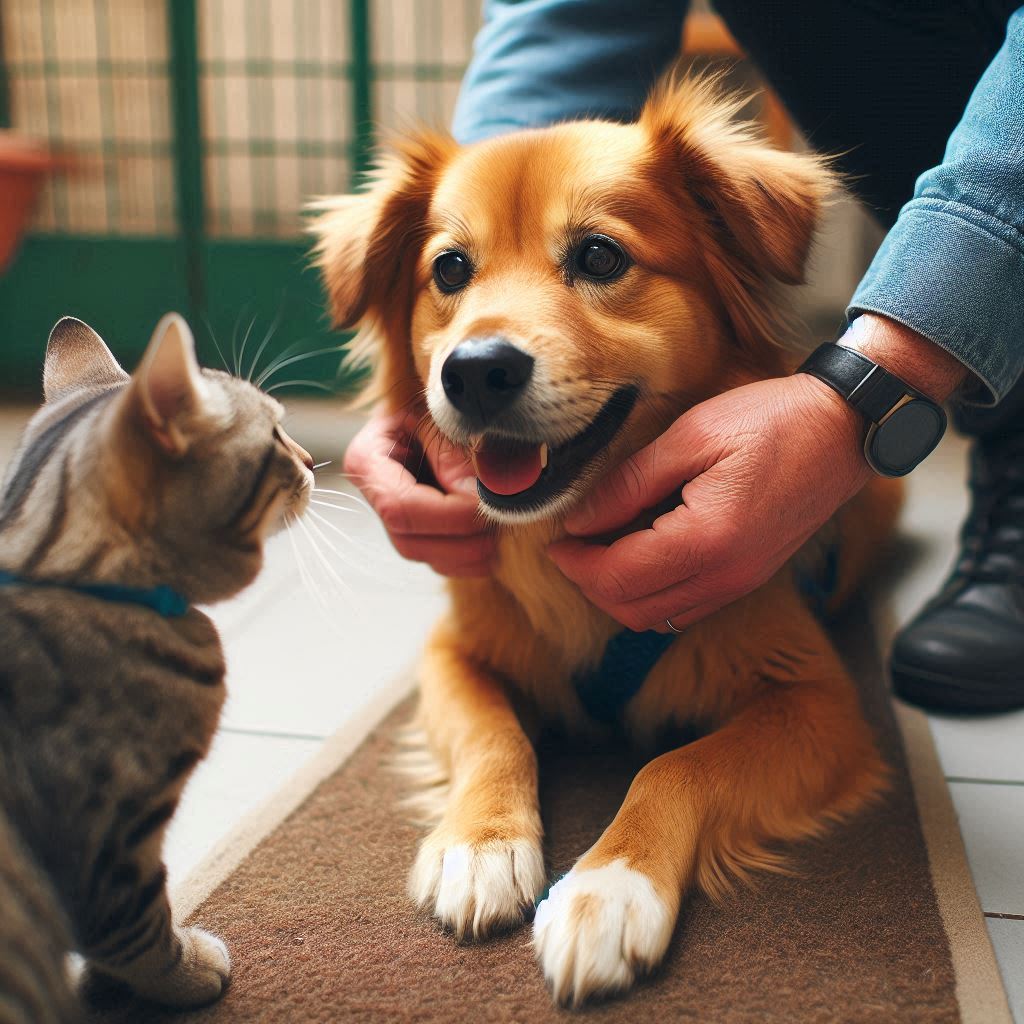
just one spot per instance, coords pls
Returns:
(903, 425)
(872, 391)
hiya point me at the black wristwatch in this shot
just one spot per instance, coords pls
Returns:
(903, 425)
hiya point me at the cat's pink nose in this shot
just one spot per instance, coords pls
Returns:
(296, 449)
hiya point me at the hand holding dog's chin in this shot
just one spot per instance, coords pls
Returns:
(767, 464)
(437, 525)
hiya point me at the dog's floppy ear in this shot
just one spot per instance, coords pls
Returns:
(367, 247)
(762, 204)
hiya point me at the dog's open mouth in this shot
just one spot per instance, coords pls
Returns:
(516, 475)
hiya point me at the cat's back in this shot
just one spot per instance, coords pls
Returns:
(99, 697)
(69, 652)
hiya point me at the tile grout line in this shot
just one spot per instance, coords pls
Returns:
(236, 730)
(984, 782)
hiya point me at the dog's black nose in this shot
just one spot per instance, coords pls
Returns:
(484, 376)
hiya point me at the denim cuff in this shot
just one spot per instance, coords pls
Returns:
(948, 275)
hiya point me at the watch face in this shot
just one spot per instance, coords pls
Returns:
(908, 435)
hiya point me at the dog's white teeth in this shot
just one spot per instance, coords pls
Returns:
(544, 455)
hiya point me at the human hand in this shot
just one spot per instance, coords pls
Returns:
(437, 525)
(767, 464)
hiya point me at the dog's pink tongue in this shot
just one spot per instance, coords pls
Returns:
(507, 467)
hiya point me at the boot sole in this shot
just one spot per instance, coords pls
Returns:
(942, 693)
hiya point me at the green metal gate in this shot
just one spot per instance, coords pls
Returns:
(198, 129)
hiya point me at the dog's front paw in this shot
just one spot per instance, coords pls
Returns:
(477, 888)
(598, 930)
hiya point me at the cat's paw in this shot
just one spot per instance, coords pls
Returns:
(199, 977)
(476, 889)
(598, 930)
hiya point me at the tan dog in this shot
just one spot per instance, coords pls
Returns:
(560, 296)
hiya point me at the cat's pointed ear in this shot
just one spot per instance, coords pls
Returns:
(168, 384)
(77, 358)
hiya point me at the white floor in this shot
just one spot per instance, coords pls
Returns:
(298, 671)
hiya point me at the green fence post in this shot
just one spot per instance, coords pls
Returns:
(188, 155)
(5, 91)
(362, 91)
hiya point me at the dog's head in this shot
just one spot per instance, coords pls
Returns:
(560, 295)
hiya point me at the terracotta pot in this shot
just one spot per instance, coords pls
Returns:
(24, 166)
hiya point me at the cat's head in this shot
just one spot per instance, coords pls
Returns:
(174, 475)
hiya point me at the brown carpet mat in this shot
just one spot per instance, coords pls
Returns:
(320, 928)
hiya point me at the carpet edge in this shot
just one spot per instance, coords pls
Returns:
(979, 985)
(234, 847)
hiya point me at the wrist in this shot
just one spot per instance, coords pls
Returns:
(836, 423)
(908, 355)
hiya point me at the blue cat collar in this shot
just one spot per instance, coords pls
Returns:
(162, 599)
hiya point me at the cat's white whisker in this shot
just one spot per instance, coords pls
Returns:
(241, 352)
(351, 541)
(344, 494)
(308, 529)
(296, 383)
(216, 344)
(342, 556)
(320, 465)
(308, 582)
(327, 504)
(266, 341)
(279, 364)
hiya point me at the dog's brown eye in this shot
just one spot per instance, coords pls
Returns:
(452, 271)
(600, 259)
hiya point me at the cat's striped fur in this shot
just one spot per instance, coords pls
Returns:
(172, 477)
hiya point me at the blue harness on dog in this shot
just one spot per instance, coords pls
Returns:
(624, 667)
(629, 657)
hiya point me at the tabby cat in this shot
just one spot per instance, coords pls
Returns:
(128, 500)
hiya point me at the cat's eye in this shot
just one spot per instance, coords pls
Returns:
(599, 258)
(452, 271)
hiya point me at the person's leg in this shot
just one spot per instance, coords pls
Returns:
(883, 84)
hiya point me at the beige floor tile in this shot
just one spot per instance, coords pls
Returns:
(989, 747)
(1008, 940)
(239, 773)
(992, 822)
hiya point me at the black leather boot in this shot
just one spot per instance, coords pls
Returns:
(965, 650)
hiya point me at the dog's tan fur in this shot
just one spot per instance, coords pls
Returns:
(715, 221)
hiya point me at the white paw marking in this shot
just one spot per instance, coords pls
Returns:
(598, 930)
(475, 890)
